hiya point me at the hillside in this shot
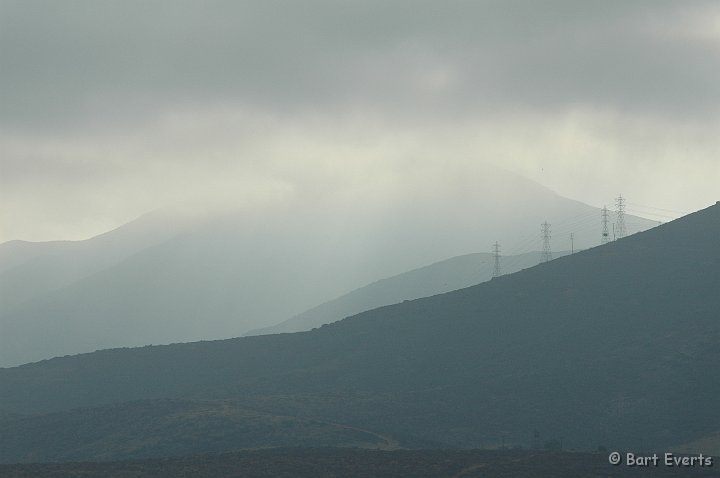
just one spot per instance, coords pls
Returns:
(140, 429)
(445, 276)
(339, 462)
(221, 277)
(615, 345)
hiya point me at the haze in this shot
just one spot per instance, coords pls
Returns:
(113, 109)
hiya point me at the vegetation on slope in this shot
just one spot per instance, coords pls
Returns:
(134, 430)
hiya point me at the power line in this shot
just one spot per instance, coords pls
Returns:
(643, 213)
(546, 254)
(657, 208)
(605, 232)
(620, 208)
(579, 225)
(496, 257)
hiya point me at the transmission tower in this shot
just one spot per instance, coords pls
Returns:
(496, 256)
(546, 255)
(620, 207)
(572, 243)
(605, 232)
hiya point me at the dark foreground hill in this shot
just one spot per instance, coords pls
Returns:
(148, 428)
(614, 346)
(356, 463)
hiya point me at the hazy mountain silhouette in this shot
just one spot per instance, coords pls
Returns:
(224, 277)
(445, 276)
(32, 269)
(615, 345)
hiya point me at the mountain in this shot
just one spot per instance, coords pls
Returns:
(32, 269)
(222, 277)
(613, 346)
(444, 276)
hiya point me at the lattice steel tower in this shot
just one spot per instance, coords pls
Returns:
(605, 231)
(496, 256)
(546, 255)
(620, 207)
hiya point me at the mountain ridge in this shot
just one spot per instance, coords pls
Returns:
(613, 345)
(437, 278)
(222, 278)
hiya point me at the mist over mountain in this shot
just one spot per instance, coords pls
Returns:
(611, 346)
(335, 176)
(222, 277)
(32, 269)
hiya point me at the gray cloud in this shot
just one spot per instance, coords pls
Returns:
(109, 109)
(68, 62)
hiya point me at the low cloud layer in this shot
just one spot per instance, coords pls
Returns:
(111, 109)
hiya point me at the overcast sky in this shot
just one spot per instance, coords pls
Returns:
(112, 109)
